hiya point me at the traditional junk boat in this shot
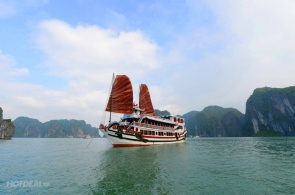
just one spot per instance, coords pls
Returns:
(139, 125)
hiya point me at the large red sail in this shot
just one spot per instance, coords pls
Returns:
(145, 101)
(121, 97)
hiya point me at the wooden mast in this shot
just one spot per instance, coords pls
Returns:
(111, 98)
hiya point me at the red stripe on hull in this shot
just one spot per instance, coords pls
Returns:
(128, 145)
(161, 137)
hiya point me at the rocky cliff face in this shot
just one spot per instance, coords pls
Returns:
(190, 122)
(1, 113)
(271, 111)
(215, 121)
(6, 129)
(28, 127)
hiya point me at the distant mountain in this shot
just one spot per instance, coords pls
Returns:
(215, 121)
(160, 113)
(28, 127)
(271, 112)
(190, 122)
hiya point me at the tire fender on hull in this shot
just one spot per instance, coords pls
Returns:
(119, 130)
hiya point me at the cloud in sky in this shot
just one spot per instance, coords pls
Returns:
(86, 57)
(255, 48)
(13, 7)
(207, 53)
(264, 33)
(7, 68)
(90, 52)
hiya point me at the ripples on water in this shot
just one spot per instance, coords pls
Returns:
(198, 166)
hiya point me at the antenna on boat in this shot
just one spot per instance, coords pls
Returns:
(111, 98)
(138, 95)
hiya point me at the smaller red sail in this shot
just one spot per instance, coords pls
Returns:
(121, 97)
(145, 101)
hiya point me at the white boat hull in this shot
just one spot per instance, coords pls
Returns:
(129, 140)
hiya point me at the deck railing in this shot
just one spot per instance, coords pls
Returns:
(124, 123)
(151, 126)
(145, 125)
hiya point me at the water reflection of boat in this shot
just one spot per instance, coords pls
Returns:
(131, 171)
(86, 136)
(139, 125)
(196, 136)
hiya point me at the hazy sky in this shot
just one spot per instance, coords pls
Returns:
(57, 57)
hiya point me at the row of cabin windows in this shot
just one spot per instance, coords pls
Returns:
(147, 121)
(144, 132)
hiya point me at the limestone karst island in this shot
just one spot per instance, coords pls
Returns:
(6, 127)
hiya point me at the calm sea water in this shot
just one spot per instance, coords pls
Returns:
(198, 166)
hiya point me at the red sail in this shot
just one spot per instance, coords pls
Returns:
(121, 97)
(145, 101)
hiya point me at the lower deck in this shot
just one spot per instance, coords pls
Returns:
(121, 138)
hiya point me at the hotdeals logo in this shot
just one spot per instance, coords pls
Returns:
(26, 184)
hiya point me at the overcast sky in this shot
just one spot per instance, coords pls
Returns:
(57, 57)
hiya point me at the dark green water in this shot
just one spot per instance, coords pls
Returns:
(198, 166)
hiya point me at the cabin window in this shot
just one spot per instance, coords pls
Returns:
(149, 133)
(144, 132)
(153, 133)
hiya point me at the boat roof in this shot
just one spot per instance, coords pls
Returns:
(137, 108)
(159, 119)
(170, 116)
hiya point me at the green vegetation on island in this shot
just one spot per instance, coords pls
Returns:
(28, 127)
(215, 121)
(161, 113)
(269, 112)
